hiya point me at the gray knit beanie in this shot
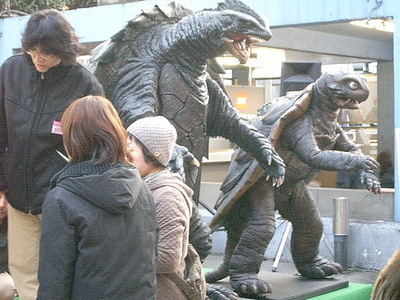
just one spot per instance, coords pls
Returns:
(157, 134)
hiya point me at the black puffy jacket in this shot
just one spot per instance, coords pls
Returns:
(31, 104)
(99, 235)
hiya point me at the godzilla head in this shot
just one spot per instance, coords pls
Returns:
(241, 28)
(346, 89)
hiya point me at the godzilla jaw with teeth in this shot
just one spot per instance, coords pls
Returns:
(241, 30)
(240, 47)
(348, 103)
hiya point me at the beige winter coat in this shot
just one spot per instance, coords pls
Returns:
(174, 208)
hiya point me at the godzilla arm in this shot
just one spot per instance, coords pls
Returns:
(224, 120)
(344, 156)
(343, 143)
(301, 138)
(135, 94)
(367, 177)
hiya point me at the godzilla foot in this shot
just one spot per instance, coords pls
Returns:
(248, 285)
(318, 268)
(220, 293)
(218, 274)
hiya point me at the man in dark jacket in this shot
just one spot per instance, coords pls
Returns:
(35, 88)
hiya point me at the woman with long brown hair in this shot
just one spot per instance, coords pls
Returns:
(99, 226)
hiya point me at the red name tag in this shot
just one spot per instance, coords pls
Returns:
(56, 129)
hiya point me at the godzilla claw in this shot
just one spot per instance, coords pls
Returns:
(278, 181)
(250, 286)
(220, 293)
(274, 166)
(370, 179)
(319, 268)
(367, 162)
(269, 159)
(182, 160)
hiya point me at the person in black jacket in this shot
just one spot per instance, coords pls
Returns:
(35, 88)
(99, 225)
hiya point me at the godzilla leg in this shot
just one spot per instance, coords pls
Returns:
(306, 235)
(234, 227)
(258, 232)
(200, 234)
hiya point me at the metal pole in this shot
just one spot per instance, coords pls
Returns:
(340, 229)
(8, 7)
(281, 246)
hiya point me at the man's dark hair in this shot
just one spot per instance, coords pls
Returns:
(148, 157)
(52, 33)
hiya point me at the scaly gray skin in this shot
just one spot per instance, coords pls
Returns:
(158, 66)
(311, 141)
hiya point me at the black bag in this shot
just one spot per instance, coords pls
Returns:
(194, 282)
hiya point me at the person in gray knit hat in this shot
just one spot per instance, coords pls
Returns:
(157, 134)
(152, 141)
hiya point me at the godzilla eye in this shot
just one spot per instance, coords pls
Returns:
(353, 85)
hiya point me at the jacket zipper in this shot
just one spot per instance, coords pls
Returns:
(38, 104)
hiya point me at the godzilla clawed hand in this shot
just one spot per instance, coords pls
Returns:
(371, 181)
(367, 162)
(274, 166)
(181, 160)
(250, 286)
(319, 268)
(220, 293)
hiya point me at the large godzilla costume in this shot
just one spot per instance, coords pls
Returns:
(157, 65)
(306, 134)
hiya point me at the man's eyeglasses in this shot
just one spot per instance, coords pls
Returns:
(35, 52)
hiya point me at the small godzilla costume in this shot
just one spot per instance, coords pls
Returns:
(304, 131)
(159, 65)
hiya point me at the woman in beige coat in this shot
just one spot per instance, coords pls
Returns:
(152, 141)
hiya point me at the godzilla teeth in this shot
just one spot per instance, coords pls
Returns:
(255, 40)
(240, 45)
(349, 102)
(227, 41)
(244, 53)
